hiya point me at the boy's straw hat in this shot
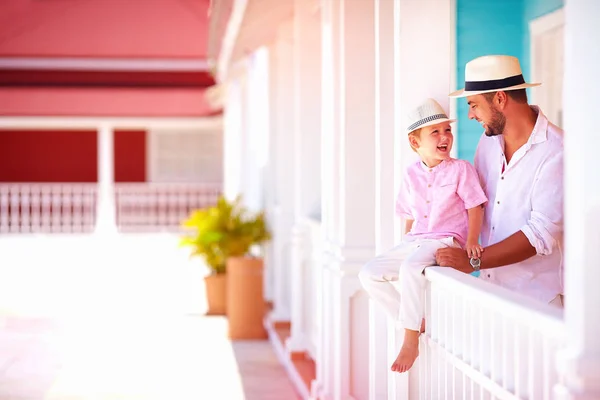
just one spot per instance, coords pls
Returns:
(428, 113)
(492, 73)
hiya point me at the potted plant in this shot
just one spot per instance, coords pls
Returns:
(226, 235)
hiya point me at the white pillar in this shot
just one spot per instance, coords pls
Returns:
(416, 81)
(106, 221)
(348, 187)
(233, 137)
(386, 67)
(307, 168)
(579, 363)
(282, 123)
(256, 101)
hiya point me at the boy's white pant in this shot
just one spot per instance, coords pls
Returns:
(406, 263)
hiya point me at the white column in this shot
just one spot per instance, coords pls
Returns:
(417, 80)
(256, 102)
(348, 188)
(386, 67)
(580, 361)
(307, 168)
(106, 221)
(233, 139)
(282, 120)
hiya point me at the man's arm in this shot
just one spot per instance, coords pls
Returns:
(538, 236)
(513, 249)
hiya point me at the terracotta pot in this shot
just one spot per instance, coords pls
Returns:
(216, 294)
(245, 301)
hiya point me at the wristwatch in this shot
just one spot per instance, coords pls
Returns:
(475, 263)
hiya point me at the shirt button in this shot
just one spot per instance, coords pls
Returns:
(502, 178)
(428, 185)
(430, 170)
(428, 202)
(498, 202)
(493, 227)
(425, 216)
(489, 276)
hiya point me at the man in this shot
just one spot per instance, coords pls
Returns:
(520, 165)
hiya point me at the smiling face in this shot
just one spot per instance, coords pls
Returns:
(483, 110)
(433, 143)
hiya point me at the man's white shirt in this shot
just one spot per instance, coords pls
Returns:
(527, 196)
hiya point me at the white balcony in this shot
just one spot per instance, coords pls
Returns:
(72, 207)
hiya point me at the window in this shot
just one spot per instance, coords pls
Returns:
(189, 156)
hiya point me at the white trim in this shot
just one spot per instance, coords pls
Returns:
(230, 37)
(284, 359)
(202, 123)
(537, 27)
(547, 22)
(453, 107)
(105, 64)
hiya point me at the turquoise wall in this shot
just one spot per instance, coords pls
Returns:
(491, 27)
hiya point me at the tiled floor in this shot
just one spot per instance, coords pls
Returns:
(79, 320)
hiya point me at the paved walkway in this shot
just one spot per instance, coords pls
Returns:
(81, 320)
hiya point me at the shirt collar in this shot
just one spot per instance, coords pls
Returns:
(539, 133)
(438, 167)
(540, 129)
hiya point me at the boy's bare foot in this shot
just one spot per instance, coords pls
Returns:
(408, 353)
(406, 358)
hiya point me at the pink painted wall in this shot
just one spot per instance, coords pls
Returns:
(48, 156)
(104, 28)
(103, 102)
(130, 156)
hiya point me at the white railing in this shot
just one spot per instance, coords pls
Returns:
(151, 207)
(312, 285)
(47, 207)
(486, 342)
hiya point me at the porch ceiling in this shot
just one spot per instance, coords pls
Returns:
(260, 24)
(232, 39)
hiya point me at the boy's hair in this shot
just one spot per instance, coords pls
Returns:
(416, 133)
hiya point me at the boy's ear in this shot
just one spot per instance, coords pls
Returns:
(413, 141)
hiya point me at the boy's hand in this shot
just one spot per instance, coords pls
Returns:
(474, 250)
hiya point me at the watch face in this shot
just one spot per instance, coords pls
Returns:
(475, 263)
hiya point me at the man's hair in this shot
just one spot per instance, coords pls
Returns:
(519, 95)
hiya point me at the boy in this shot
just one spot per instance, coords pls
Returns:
(442, 202)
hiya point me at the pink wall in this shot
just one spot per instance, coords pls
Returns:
(48, 156)
(130, 156)
(68, 156)
(104, 28)
(120, 102)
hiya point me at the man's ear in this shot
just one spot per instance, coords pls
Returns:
(500, 100)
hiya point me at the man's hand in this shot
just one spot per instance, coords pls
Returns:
(455, 258)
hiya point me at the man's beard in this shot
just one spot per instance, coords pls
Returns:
(496, 125)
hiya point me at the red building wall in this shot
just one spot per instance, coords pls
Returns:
(130, 156)
(48, 156)
(68, 156)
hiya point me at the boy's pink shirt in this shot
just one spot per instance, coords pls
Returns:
(438, 198)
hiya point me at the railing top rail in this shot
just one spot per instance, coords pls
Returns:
(544, 317)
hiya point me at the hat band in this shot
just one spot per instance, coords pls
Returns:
(426, 120)
(475, 86)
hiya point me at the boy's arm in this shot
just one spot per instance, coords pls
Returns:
(475, 221)
(408, 225)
